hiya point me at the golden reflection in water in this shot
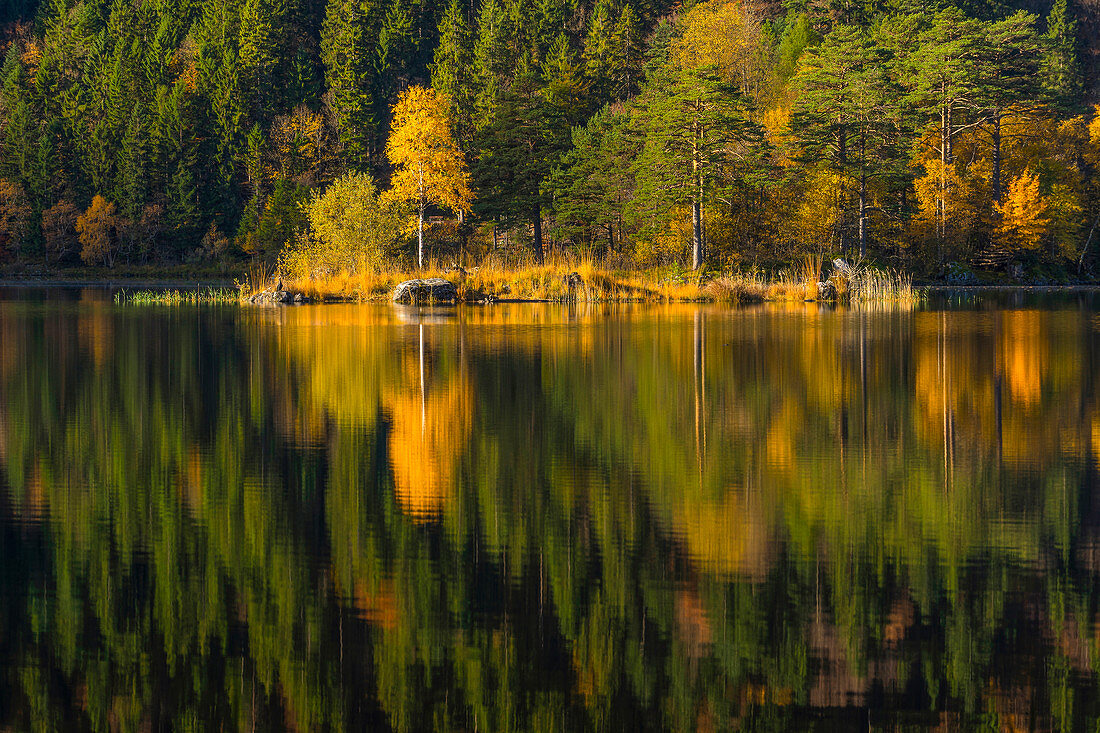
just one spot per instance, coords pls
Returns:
(429, 426)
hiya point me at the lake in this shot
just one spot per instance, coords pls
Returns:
(536, 517)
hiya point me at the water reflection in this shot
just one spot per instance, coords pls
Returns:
(535, 517)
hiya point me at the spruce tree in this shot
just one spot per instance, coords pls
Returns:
(493, 60)
(451, 71)
(348, 53)
(1060, 66)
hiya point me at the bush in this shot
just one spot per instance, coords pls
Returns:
(351, 228)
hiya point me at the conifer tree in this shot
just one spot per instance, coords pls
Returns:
(516, 152)
(492, 58)
(601, 56)
(594, 183)
(1009, 79)
(698, 139)
(451, 71)
(348, 54)
(847, 116)
(258, 54)
(1060, 65)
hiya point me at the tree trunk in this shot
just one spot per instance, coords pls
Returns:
(842, 164)
(536, 219)
(420, 237)
(420, 222)
(696, 234)
(941, 214)
(862, 194)
(997, 158)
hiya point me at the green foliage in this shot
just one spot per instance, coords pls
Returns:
(351, 229)
(699, 142)
(265, 233)
(517, 149)
(594, 183)
(1060, 60)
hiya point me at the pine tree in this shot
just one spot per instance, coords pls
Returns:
(698, 140)
(847, 114)
(516, 152)
(1009, 79)
(1060, 66)
(594, 183)
(943, 74)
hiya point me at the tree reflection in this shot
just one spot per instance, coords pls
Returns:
(533, 517)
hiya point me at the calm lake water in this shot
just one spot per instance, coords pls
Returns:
(533, 517)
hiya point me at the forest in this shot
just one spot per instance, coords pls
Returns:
(935, 138)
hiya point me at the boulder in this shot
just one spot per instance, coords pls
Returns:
(432, 290)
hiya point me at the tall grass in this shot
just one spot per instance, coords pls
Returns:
(207, 296)
(564, 277)
(882, 286)
(259, 277)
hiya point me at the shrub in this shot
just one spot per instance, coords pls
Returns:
(351, 228)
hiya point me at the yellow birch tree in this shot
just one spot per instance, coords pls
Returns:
(429, 166)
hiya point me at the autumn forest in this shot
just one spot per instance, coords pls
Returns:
(935, 138)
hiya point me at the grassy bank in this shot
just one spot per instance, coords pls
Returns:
(572, 280)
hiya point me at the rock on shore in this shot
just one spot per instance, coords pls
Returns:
(432, 290)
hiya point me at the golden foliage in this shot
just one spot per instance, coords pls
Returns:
(429, 166)
(1024, 355)
(297, 142)
(31, 56)
(97, 228)
(945, 203)
(817, 216)
(1024, 222)
(727, 535)
(15, 215)
(721, 35)
(1094, 127)
(214, 244)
